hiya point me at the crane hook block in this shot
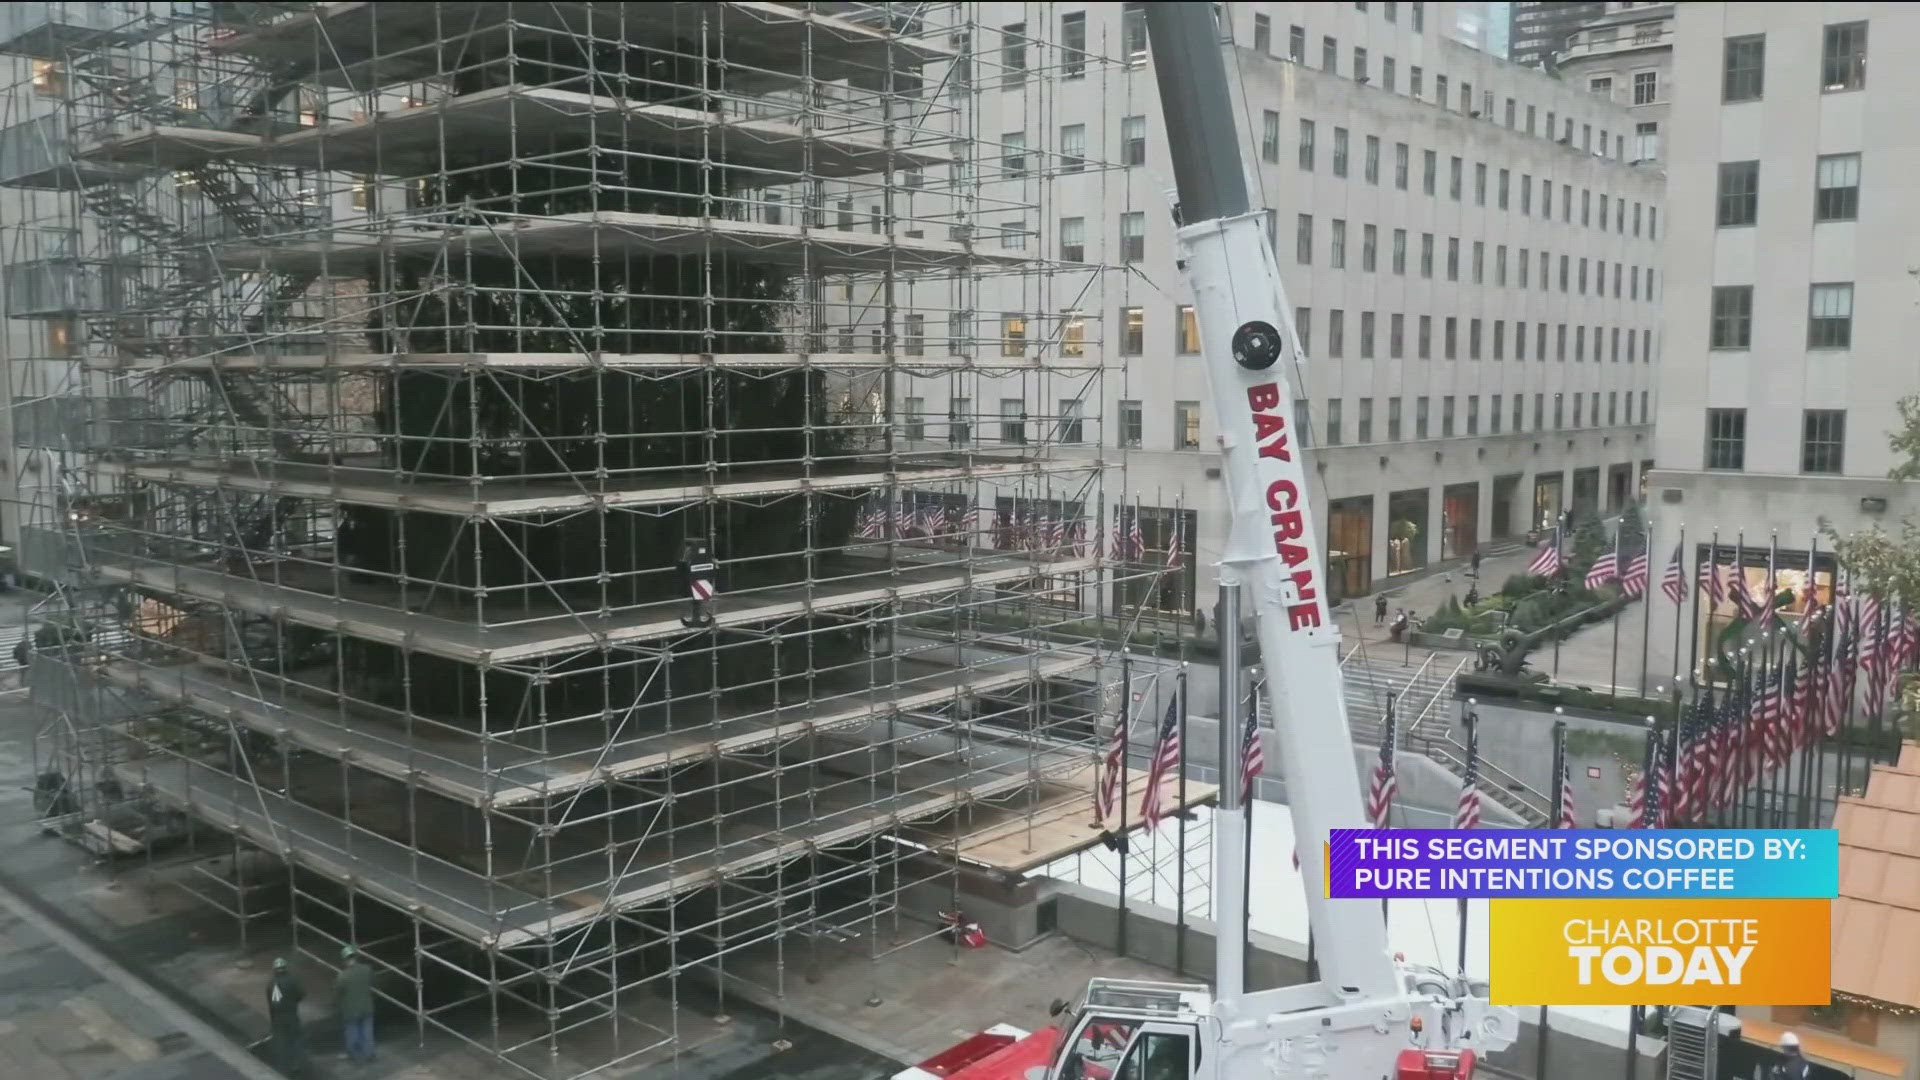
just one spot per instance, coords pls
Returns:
(1256, 345)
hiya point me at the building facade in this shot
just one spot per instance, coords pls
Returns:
(1626, 56)
(1792, 312)
(1538, 29)
(1469, 257)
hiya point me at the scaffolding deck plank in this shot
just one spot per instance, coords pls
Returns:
(1018, 839)
(510, 120)
(508, 497)
(614, 233)
(459, 901)
(498, 772)
(588, 361)
(338, 40)
(376, 615)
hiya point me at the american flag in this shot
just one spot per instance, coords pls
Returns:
(871, 526)
(1466, 813)
(1107, 799)
(1710, 577)
(1834, 706)
(1680, 806)
(1166, 760)
(1386, 782)
(1565, 819)
(1635, 583)
(1253, 756)
(1874, 654)
(1547, 562)
(1729, 752)
(1743, 597)
(1605, 568)
(1647, 793)
(1674, 581)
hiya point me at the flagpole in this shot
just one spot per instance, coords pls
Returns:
(1692, 578)
(1646, 604)
(1180, 830)
(1559, 779)
(1852, 665)
(1472, 721)
(1393, 736)
(1613, 677)
(1815, 698)
(1779, 784)
(1126, 783)
(1560, 571)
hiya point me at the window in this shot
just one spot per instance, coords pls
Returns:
(1073, 147)
(1073, 44)
(1333, 421)
(1426, 255)
(1501, 198)
(916, 332)
(1646, 142)
(1336, 333)
(1430, 162)
(1473, 339)
(1133, 32)
(1633, 283)
(1131, 422)
(1297, 44)
(1073, 239)
(1546, 275)
(1363, 423)
(1843, 57)
(1455, 171)
(1519, 340)
(1526, 194)
(1391, 11)
(1337, 257)
(1303, 240)
(1303, 328)
(1739, 200)
(1133, 236)
(1400, 155)
(1359, 64)
(1565, 262)
(1732, 317)
(1329, 55)
(1836, 194)
(1393, 419)
(1339, 151)
(1013, 420)
(914, 417)
(1014, 144)
(1013, 335)
(1559, 411)
(1479, 261)
(1369, 247)
(1400, 251)
(1413, 82)
(1306, 145)
(1644, 418)
(1830, 317)
(1473, 414)
(1387, 74)
(1726, 438)
(1263, 35)
(1539, 411)
(1187, 331)
(1530, 118)
(1653, 223)
(1743, 76)
(1269, 135)
(1419, 18)
(1073, 334)
(1303, 421)
(1068, 431)
(1133, 140)
(1440, 90)
(1600, 86)
(1133, 330)
(1550, 119)
(1500, 265)
(1479, 183)
(1646, 87)
(1013, 234)
(1579, 343)
(1466, 98)
(1586, 207)
(1453, 258)
(1613, 407)
(1583, 277)
(1372, 166)
(1446, 417)
(960, 421)
(1186, 425)
(1566, 201)
(1452, 340)
(1499, 339)
(1366, 337)
(1519, 414)
(1510, 113)
(1560, 343)
(1420, 417)
(1013, 54)
(48, 79)
(1426, 337)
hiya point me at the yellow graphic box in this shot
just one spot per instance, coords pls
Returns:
(1660, 952)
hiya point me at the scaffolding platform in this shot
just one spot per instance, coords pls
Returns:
(351, 252)
(458, 363)
(382, 486)
(339, 42)
(410, 141)
(453, 631)
(483, 772)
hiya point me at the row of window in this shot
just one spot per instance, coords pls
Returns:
(1646, 87)
(1481, 107)
(1068, 424)
(1604, 340)
(1829, 316)
(1836, 191)
(1574, 276)
(1843, 62)
(1823, 440)
(1307, 155)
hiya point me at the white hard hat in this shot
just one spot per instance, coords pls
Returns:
(1789, 1039)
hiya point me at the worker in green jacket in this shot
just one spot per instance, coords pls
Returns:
(353, 1000)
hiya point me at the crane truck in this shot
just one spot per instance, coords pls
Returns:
(1369, 1016)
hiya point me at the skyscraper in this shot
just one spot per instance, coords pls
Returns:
(1539, 28)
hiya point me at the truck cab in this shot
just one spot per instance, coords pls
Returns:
(1127, 1030)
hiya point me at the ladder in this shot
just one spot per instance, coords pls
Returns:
(1693, 1043)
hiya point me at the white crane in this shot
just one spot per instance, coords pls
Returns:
(1369, 1016)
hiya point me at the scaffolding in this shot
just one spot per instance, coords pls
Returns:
(474, 454)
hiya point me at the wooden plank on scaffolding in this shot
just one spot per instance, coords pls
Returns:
(1019, 838)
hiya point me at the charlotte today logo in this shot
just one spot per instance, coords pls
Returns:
(1650, 952)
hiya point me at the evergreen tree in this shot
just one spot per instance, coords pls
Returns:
(1590, 541)
(1633, 534)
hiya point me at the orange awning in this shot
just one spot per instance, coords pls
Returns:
(1828, 1050)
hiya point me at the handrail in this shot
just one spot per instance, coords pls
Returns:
(1438, 691)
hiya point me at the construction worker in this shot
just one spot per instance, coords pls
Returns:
(283, 1008)
(353, 1001)
(1794, 1067)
